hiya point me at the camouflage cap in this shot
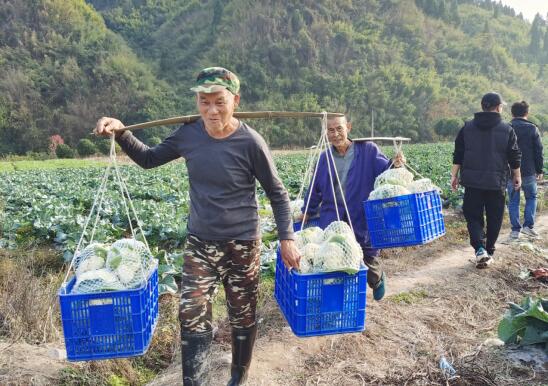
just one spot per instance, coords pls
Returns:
(214, 79)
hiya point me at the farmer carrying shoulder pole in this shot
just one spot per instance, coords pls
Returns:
(485, 149)
(224, 158)
(357, 165)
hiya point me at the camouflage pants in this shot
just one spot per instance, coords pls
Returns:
(206, 263)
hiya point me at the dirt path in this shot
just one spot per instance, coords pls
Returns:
(33, 365)
(398, 339)
(455, 262)
(280, 358)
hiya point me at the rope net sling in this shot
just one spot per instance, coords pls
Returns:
(335, 248)
(126, 263)
(400, 181)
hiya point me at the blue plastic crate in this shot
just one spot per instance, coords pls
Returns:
(113, 324)
(401, 221)
(322, 303)
(313, 222)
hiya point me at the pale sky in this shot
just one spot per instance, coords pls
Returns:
(529, 8)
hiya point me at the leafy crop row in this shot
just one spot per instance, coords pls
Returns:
(51, 205)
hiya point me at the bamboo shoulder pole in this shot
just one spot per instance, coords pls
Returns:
(397, 139)
(243, 115)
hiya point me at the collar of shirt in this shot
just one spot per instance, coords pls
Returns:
(349, 151)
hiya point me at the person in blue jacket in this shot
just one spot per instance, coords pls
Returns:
(532, 162)
(357, 165)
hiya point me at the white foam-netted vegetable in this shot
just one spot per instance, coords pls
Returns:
(397, 176)
(312, 234)
(337, 228)
(305, 265)
(353, 254)
(308, 235)
(387, 191)
(332, 257)
(308, 255)
(98, 280)
(422, 185)
(90, 258)
(130, 260)
(351, 248)
(311, 250)
(90, 264)
(123, 265)
(339, 251)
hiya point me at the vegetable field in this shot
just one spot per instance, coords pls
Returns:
(50, 204)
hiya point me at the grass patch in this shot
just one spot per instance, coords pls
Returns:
(266, 290)
(7, 166)
(115, 380)
(165, 341)
(74, 376)
(29, 308)
(117, 372)
(409, 297)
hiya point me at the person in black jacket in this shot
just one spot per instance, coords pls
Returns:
(530, 144)
(484, 148)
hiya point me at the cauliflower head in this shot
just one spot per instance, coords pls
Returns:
(422, 185)
(397, 176)
(388, 191)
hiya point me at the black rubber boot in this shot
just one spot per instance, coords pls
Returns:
(195, 350)
(243, 340)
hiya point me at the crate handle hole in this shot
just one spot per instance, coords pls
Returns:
(100, 302)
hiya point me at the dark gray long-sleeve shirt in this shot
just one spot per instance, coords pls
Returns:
(222, 176)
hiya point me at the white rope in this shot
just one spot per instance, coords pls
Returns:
(330, 152)
(312, 155)
(398, 148)
(321, 145)
(98, 211)
(128, 202)
(97, 206)
(324, 144)
(413, 170)
(98, 198)
(341, 190)
(132, 207)
(123, 188)
(119, 181)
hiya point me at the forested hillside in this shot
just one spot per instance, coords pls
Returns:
(419, 66)
(62, 69)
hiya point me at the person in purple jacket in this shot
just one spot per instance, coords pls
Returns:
(357, 165)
